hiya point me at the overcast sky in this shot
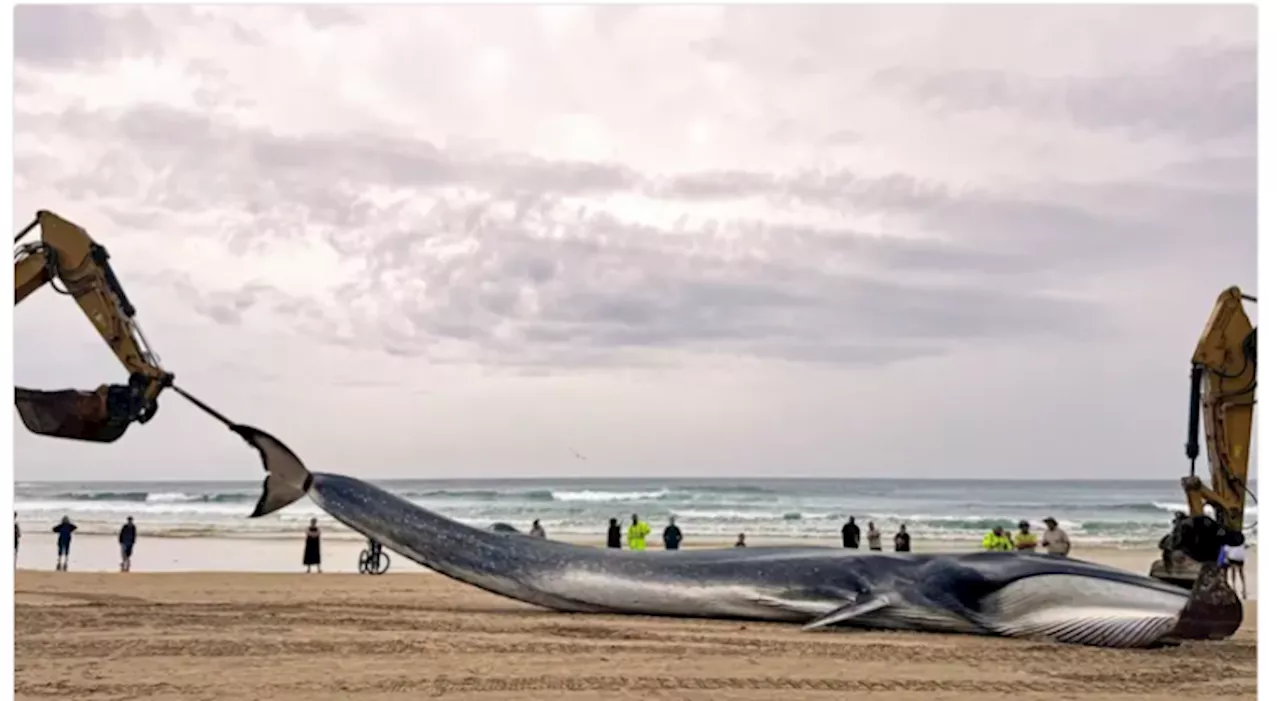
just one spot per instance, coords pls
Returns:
(739, 241)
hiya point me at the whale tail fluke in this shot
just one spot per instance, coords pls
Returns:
(288, 480)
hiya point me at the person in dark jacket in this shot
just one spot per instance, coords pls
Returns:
(902, 540)
(64, 529)
(311, 552)
(614, 537)
(128, 536)
(851, 534)
(671, 536)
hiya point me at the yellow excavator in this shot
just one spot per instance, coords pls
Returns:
(71, 262)
(1224, 378)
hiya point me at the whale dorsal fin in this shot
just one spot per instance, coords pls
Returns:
(862, 605)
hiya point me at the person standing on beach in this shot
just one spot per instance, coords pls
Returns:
(128, 536)
(537, 531)
(671, 535)
(613, 539)
(902, 541)
(17, 537)
(64, 529)
(311, 551)
(742, 541)
(997, 540)
(636, 533)
(851, 533)
(1233, 560)
(1024, 539)
(1055, 540)
(873, 536)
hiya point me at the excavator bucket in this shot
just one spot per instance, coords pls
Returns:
(70, 414)
(1214, 611)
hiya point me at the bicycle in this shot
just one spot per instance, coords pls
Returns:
(374, 561)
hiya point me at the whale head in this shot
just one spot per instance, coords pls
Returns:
(1058, 598)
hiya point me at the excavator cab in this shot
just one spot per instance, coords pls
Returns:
(71, 262)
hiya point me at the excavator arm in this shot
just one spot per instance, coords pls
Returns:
(67, 259)
(1224, 377)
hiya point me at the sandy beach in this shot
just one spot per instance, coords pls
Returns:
(223, 635)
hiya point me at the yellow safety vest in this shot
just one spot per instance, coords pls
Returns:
(636, 534)
(993, 542)
(1025, 541)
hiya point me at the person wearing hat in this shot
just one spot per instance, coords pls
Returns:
(1024, 539)
(1055, 539)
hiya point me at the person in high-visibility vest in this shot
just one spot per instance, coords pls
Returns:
(636, 533)
(1024, 539)
(996, 540)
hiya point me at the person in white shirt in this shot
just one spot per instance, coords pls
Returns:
(1235, 566)
(1055, 540)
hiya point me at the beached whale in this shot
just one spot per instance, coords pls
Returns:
(1008, 594)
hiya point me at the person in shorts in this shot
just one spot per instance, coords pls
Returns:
(1234, 556)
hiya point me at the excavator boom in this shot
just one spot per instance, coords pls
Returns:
(66, 256)
(1224, 377)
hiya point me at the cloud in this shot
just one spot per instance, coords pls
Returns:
(64, 36)
(489, 254)
(1197, 94)
(840, 209)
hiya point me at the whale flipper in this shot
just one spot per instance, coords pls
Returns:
(860, 606)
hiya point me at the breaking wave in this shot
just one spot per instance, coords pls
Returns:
(1136, 513)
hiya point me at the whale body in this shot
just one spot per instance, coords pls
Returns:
(1008, 594)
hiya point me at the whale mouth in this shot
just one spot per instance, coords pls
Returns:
(1083, 610)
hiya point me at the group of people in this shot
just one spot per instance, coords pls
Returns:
(1055, 540)
(851, 536)
(127, 537)
(638, 534)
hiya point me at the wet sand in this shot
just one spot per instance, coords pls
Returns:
(97, 636)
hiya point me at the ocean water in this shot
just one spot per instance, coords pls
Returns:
(1117, 513)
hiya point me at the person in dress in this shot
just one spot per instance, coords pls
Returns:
(311, 552)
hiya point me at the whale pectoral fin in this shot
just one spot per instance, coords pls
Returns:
(860, 606)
